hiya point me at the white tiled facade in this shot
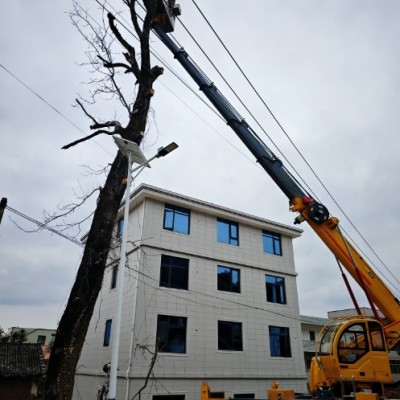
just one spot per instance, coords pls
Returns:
(249, 371)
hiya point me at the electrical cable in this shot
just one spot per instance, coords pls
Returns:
(49, 104)
(41, 225)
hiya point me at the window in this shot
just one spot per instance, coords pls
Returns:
(377, 340)
(114, 277)
(395, 366)
(244, 396)
(230, 336)
(353, 343)
(41, 339)
(176, 219)
(272, 243)
(171, 334)
(312, 336)
(120, 227)
(227, 232)
(174, 272)
(169, 397)
(228, 279)
(275, 288)
(107, 333)
(279, 342)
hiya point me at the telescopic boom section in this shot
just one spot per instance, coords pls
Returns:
(317, 216)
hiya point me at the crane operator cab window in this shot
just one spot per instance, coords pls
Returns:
(377, 340)
(353, 343)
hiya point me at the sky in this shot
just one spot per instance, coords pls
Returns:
(328, 71)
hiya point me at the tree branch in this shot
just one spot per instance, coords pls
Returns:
(67, 146)
(152, 362)
(84, 110)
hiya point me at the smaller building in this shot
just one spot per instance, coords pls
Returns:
(41, 336)
(310, 329)
(21, 370)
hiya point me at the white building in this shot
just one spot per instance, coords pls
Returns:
(214, 287)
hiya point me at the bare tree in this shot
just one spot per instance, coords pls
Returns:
(74, 322)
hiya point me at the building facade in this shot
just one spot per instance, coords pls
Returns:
(209, 295)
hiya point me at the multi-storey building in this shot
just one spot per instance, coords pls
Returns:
(209, 295)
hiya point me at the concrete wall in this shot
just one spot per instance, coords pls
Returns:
(249, 371)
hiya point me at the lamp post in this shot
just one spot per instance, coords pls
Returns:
(133, 153)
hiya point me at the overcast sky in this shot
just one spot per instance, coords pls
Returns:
(328, 70)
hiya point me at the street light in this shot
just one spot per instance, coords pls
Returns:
(132, 151)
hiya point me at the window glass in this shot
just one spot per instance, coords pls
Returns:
(41, 339)
(353, 343)
(312, 336)
(107, 333)
(230, 336)
(227, 232)
(279, 341)
(176, 219)
(244, 396)
(376, 333)
(120, 227)
(275, 289)
(171, 334)
(174, 272)
(114, 276)
(228, 279)
(272, 243)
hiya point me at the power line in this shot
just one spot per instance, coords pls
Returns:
(41, 225)
(49, 104)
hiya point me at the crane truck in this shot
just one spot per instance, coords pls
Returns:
(351, 352)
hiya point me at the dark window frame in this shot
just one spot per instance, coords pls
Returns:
(229, 342)
(171, 223)
(174, 331)
(168, 397)
(275, 291)
(272, 243)
(228, 285)
(170, 271)
(107, 333)
(279, 341)
(231, 236)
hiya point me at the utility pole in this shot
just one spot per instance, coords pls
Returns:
(3, 205)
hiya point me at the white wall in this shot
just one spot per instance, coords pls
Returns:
(247, 371)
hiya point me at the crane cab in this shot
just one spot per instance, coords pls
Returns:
(351, 355)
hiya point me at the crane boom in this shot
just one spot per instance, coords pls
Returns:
(364, 360)
(317, 216)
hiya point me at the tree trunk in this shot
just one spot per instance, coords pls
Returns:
(75, 320)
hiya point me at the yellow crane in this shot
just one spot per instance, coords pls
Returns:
(352, 352)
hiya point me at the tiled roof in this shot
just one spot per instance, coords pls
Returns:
(21, 359)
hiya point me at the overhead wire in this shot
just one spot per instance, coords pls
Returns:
(41, 225)
(244, 105)
(291, 141)
(48, 104)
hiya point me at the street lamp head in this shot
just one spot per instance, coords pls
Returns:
(163, 151)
